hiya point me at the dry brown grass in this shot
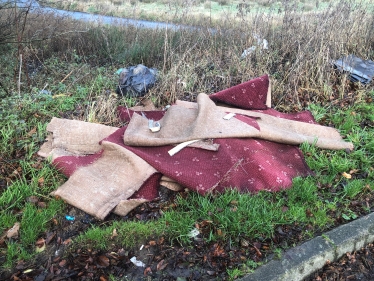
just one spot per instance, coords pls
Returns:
(301, 48)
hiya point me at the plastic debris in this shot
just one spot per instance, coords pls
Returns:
(262, 43)
(180, 146)
(69, 218)
(45, 92)
(193, 233)
(359, 70)
(136, 262)
(229, 116)
(166, 107)
(154, 126)
(135, 81)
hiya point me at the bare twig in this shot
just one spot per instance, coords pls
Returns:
(67, 76)
(19, 75)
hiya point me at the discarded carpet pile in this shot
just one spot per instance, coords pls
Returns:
(116, 169)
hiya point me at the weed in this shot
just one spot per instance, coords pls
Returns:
(234, 273)
(349, 215)
(278, 253)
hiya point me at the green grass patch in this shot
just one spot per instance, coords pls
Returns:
(120, 234)
(231, 215)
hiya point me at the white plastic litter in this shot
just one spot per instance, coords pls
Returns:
(262, 43)
(193, 233)
(154, 126)
(229, 116)
(136, 262)
(180, 146)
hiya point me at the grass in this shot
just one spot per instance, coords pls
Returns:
(231, 215)
(77, 70)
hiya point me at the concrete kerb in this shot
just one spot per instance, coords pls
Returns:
(301, 261)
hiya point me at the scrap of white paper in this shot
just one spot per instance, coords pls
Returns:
(136, 262)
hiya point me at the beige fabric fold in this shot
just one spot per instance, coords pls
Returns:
(111, 179)
(181, 124)
(73, 137)
(125, 206)
(287, 131)
(170, 184)
(106, 184)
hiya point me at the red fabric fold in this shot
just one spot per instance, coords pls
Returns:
(248, 95)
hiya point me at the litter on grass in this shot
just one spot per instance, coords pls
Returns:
(135, 81)
(69, 218)
(261, 43)
(359, 70)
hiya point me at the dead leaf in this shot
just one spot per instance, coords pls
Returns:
(161, 265)
(114, 234)
(103, 261)
(40, 242)
(347, 176)
(103, 278)
(62, 263)
(67, 241)
(258, 245)
(152, 243)
(234, 209)
(309, 213)
(353, 171)
(21, 265)
(50, 236)
(42, 205)
(13, 232)
(40, 249)
(41, 181)
(284, 209)
(205, 223)
(147, 270)
(218, 251)
(161, 240)
(258, 252)
(32, 199)
(244, 243)
(31, 132)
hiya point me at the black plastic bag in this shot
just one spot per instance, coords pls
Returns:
(135, 81)
(359, 70)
